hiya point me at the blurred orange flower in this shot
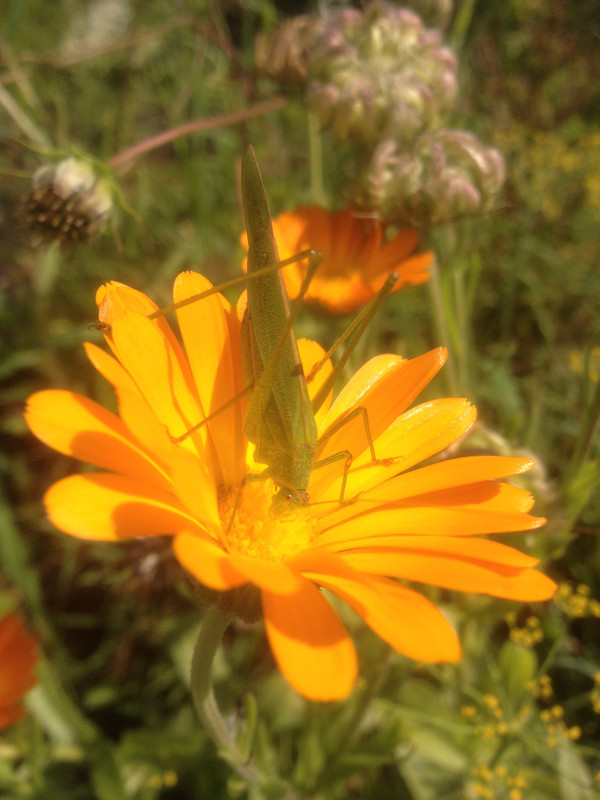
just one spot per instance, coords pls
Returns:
(17, 660)
(356, 262)
(402, 521)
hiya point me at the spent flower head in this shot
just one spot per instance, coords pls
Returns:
(399, 522)
(445, 175)
(380, 73)
(385, 83)
(368, 74)
(69, 202)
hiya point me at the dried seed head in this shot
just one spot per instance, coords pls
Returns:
(380, 74)
(446, 174)
(68, 202)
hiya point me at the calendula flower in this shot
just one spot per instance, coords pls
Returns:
(17, 660)
(397, 520)
(356, 261)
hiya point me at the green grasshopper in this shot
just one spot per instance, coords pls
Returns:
(280, 419)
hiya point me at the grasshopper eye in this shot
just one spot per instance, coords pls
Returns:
(298, 498)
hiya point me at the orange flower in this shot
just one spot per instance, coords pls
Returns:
(17, 660)
(403, 521)
(355, 262)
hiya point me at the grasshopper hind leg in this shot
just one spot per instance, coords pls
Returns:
(347, 455)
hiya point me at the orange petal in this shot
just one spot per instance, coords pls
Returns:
(310, 644)
(110, 507)
(289, 230)
(411, 272)
(468, 565)
(437, 521)
(506, 558)
(392, 255)
(398, 493)
(213, 350)
(273, 576)
(108, 367)
(194, 485)
(402, 617)
(341, 294)
(450, 473)
(8, 716)
(17, 659)
(115, 300)
(368, 381)
(423, 431)
(133, 409)
(493, 495)
(160, 372)
(207, 561)
(79, 427)
(416, 435)
(385, 386)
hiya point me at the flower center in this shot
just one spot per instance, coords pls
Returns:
(253, 529)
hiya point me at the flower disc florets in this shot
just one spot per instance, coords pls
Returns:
(251, 528)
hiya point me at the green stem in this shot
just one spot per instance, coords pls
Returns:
(315, 146)
(462, 330)
(441, 321)
(263, 785)
(58, 713)
(215, 624)
(25, 123)
(462, 23)
(586, 436)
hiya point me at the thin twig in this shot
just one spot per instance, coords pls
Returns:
(195, 126)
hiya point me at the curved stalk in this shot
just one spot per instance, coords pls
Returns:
(195, 126)
(215, 624)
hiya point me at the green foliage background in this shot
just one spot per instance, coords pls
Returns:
(520, 289)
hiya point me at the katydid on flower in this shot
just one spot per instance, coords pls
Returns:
(280, 419)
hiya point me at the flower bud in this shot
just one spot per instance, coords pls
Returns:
(68, 203)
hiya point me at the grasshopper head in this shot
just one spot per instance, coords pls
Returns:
(287, 500)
